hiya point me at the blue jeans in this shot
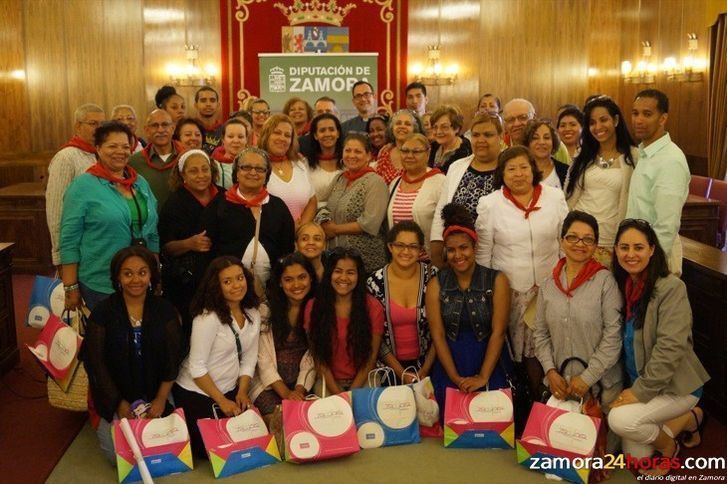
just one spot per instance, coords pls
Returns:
(91, 297)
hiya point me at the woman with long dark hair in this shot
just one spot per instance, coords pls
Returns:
(324, 159)
(285, 368)
(345, 331)
(570, 127)
(223, 347)
(665, 379)
(133, 345)
(400, 286)
(598, 180)
(467, 307)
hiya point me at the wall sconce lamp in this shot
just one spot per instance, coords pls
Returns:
(645, 72)
(435, 74)
(191, 75)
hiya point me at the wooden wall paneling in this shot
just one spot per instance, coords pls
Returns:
(571, 61)
(605, 47)
(423, 23)
(123, 51)
(51, 116)
(15, 137)
(203, 28)
(493, 41)
(84, 37)
(462, 44)
(164, 39)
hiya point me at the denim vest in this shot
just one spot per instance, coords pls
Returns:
(477, 300)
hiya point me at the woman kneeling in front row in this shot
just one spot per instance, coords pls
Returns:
(666, 376)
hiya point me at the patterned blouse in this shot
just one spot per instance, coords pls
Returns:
(473, 186)
(385, 167)
(364, 202)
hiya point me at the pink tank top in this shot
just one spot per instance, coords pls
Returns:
(406, 335)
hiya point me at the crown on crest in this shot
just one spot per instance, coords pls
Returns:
(315, 11)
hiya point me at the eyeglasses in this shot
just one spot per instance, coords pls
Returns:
(363, 95)
(164, 125)
(257, 169)
(523, 118)
(410, 247)
(257, 113)
(588, 241)
(415, 152)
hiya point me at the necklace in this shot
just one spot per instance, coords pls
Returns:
(605, 163)
(135, 323)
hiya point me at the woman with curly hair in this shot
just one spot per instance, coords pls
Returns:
(345, 334)
(285, 368)
(223, 347)
(169, 100)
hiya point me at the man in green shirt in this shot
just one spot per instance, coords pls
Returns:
(660, 182)
(155, 162)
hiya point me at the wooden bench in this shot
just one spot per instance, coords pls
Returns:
(23, 221)
(704, 271)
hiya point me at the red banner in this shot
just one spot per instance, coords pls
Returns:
(251, 27)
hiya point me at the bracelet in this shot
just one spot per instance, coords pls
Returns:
(71, 288)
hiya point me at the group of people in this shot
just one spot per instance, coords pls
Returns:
(241, 263)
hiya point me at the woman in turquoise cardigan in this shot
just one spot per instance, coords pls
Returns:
(665, 379)
(106, 209)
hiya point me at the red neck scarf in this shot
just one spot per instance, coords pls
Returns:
(304, 130)
(102, 172)
(77, 142)
(212, 190)
(352, 176)
(429, 174)
(277, 159)
(177, 148)
(587, 271)
(537, 190)
(633, 294)
(330, 157)
(212, 127)
(219, 154)
(233, 196)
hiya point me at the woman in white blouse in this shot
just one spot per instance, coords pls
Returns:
(414, 194)
(598, 181)
(324, 158)
(223, 347)
(518, 227)
(290, 179)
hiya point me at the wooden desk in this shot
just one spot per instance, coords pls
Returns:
(24, 167)
(700, 219)
(704, 271)
(22, 220)
(9, 355)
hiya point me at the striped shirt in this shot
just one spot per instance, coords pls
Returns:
(403, 203)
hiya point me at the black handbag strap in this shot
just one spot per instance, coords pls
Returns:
(576, 359)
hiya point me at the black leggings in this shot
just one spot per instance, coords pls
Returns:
(196, 406)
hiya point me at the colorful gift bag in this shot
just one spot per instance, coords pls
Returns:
(427, 408)
(238, 444)
(479, 420)
(385, 416)
(164, 444)
(57, 350)
(47, 297)
(319, 429)
(553, 432)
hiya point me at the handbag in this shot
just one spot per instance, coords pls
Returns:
(319, 428)
(75, 395)
(426, 403)
(237, 444)
(47, 297)
(479, 420)
(385, 415)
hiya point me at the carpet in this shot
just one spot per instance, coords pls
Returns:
(33, 435)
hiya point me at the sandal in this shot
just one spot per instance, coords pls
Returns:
(662, 471)
(689, 434)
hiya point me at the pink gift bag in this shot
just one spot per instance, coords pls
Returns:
(57, 348)
(479, 419)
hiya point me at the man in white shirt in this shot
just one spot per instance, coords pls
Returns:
(73, 159)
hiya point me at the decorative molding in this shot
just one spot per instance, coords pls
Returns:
(387, 11)
(315, 11)
(242, 94)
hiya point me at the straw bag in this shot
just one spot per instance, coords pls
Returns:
(75, 398)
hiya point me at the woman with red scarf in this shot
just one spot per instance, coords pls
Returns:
(234, 140)
(414, 194)
(357, 205)
(579, 315)
(107, 208)
(184, 243)
(519, 230)
(664, 377)
(248, 213)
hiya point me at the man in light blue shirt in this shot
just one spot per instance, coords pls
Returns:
(660, 182)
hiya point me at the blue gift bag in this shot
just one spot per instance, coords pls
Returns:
(385, 416)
